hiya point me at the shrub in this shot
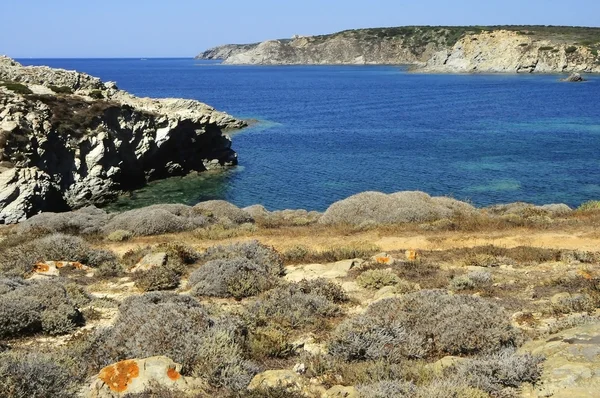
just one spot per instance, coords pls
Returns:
(570, 50)
(88, 220)
(17, 88)
(32, 307)
(220, 231)
(387, 389)
(325, 288)
(292, 306)
(156, 220)
(20, 259)
(61, 89)
(224, 211)
(300, 253)
(473, 280)
(452, 387)
(120, 235)
(574, 303)
(401, 207)
(266, 257)
(591, 205)
(505, 369)
(462, 283)
(546, 48)
(377, 278)
(423, 324)
(35, 375)
(157, 278)
(96, 94)
(180, 328)
(238, 277)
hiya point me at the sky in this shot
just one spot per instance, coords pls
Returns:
(184, 28)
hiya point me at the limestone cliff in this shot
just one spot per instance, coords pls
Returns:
(68, 140)
(511, 49)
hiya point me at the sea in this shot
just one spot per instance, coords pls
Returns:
(327, 132)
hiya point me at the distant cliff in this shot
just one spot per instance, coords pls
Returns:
(510, 49)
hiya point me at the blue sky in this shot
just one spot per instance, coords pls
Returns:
(150, 28)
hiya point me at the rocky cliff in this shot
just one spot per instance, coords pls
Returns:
(512, 49)
(68, 140)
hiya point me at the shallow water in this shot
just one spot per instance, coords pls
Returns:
(327, 132)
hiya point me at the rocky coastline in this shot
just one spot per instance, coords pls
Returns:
(431, 50)
(69, 140)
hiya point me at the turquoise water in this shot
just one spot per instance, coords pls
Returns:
(327, 132)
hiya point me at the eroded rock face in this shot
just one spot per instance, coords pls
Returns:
(511, 52)
(136, 375)
(85, 146)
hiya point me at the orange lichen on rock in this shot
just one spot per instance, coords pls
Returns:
(118, 376)
(77, 265)
(59, 264)
(411, 255)
(41, 267)
(173, 374)
(383, 260)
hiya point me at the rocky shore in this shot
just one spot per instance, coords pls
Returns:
(68, 140)
(432, 49)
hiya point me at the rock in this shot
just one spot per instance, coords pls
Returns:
(80, 150)
(338, 269)
(300, 368)
(135, 375)
(285, 379)
(385, 292)
(411, 255)
(383, 258)
(341, 392)
(49, 269)
(572, 365)
(574, 78)
(150, 261)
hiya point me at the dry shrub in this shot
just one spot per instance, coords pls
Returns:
(376, 208)
(159, 278)
(35, 375)
(221, 231)
(424, 324)
(302, 254)
(182, 329)
(85, 221)
(33, 307)
(265, 256)
(19, 260)
(386, 389)
(156, 220)
(224, 212)
(297, 305)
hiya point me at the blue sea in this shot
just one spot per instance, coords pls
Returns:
(327, 132)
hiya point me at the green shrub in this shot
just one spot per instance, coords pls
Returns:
(96, 94)
(570, 50)
(156, 220)
(35, 375)
(182, 329)
(424, 324)
(546, 48)
(375, 279)
(33, 307)
(17, 88)
(293, 306)
(20, 259)
(591, 205)
(61, 89)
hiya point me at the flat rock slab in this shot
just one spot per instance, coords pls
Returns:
(313, 271)
(150, 261)
(572, 366)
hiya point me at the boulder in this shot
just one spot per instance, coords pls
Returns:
(150, 261)
(383, 258)
(136, 375)
(49, 269)
(574, 78)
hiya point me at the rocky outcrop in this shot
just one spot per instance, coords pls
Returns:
(574, 78)
(512, 52)
(430, 49)
(137, 376)
(68, 140)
